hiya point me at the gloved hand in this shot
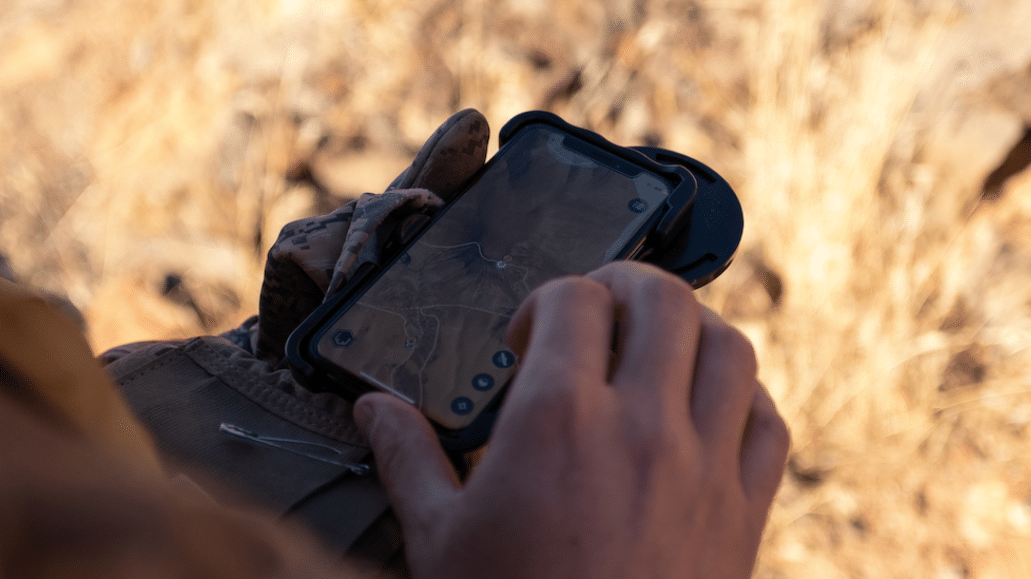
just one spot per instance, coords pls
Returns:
(314, 257)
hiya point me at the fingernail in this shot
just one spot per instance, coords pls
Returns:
(363, 415)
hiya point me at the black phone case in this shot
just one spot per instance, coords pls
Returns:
(694, 237)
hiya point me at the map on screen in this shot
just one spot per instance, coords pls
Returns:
(431, 328)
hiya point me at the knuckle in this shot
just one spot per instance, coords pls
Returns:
(668, 293)
(632, 268)
(773, 426)
(577, 290)
(561, 397)
(655, 441)
(735, 347)
(614, 268)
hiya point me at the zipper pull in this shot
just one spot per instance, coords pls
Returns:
(303, 448)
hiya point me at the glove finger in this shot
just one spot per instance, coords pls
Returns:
(297, 274)
(376, 218)
(449, 157)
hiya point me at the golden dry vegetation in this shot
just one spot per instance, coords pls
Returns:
(884, 278)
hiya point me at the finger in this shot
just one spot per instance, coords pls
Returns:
(658, 336)
(310, 246)
(563, 332)
(454, 152)
(724, 385)
(411, 463)
(521, 325)
(764, 449)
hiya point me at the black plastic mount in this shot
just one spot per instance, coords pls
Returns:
(698, 238)
(705, 248)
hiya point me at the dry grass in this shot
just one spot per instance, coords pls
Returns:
(890, 309)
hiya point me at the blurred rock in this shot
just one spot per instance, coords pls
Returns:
(967, 369)
(1015, 162)
(1011, 90)
(972, 102)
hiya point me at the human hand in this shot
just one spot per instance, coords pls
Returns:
(658, 460)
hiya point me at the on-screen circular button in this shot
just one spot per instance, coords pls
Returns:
(461, 405)
(483, 382)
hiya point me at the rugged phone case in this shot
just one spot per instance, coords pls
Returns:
(695, 237)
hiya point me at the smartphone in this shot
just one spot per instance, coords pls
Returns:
(429, 326)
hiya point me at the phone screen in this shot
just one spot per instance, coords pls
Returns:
(431, 328)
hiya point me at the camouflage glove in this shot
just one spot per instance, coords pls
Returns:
(313, 258)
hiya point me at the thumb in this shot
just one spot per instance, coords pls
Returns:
(450, 157)
(411, 463)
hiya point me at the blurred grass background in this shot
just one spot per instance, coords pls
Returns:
(150, 150)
